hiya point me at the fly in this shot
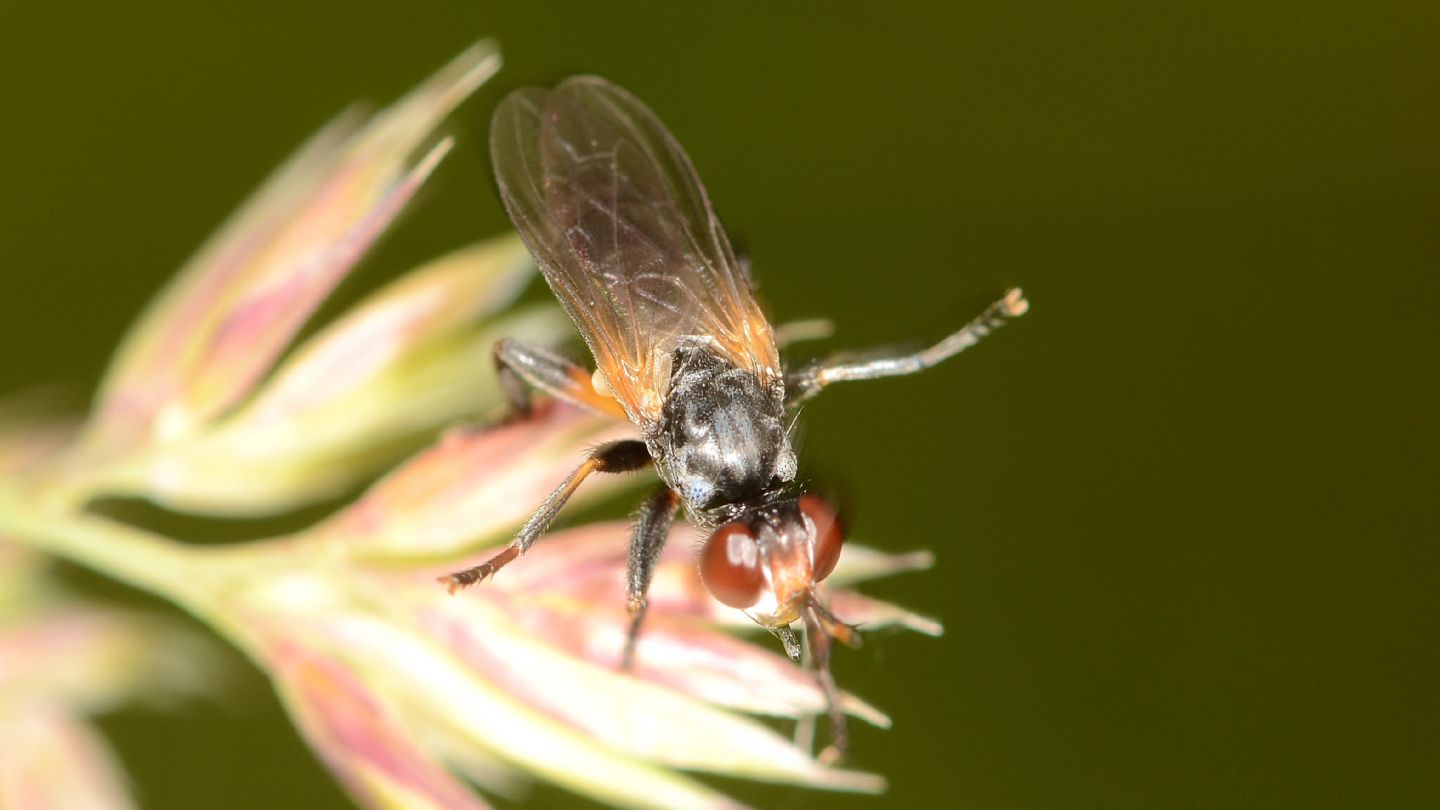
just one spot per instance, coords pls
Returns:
(625, 235)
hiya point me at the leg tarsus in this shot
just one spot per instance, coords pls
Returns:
(817, 638)
(632, 635)
(843, 632)
(479, 573)
(809, 381)
(652, 526)
(820, 626)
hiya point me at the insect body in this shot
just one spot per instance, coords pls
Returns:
(615, 215)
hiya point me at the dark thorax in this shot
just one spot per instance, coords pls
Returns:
(721, 440)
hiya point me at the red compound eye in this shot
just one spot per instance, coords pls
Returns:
(730, 566)
(828, 537)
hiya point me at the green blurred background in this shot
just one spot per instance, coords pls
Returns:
(1185, 511)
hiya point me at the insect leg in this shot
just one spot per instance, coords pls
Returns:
(520, 364)
(652, 526)
(820, 627)
(809, 381)
(616, 457)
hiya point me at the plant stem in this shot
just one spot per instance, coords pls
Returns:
(48, 521)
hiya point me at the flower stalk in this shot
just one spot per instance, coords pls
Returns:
(46, 520)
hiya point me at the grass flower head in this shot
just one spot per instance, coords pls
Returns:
(409, 696)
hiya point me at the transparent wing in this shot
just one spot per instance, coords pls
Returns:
(624, 233)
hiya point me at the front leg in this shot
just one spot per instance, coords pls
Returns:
(652, 526)
(821, 626)
(809, 381)
(616, 457)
